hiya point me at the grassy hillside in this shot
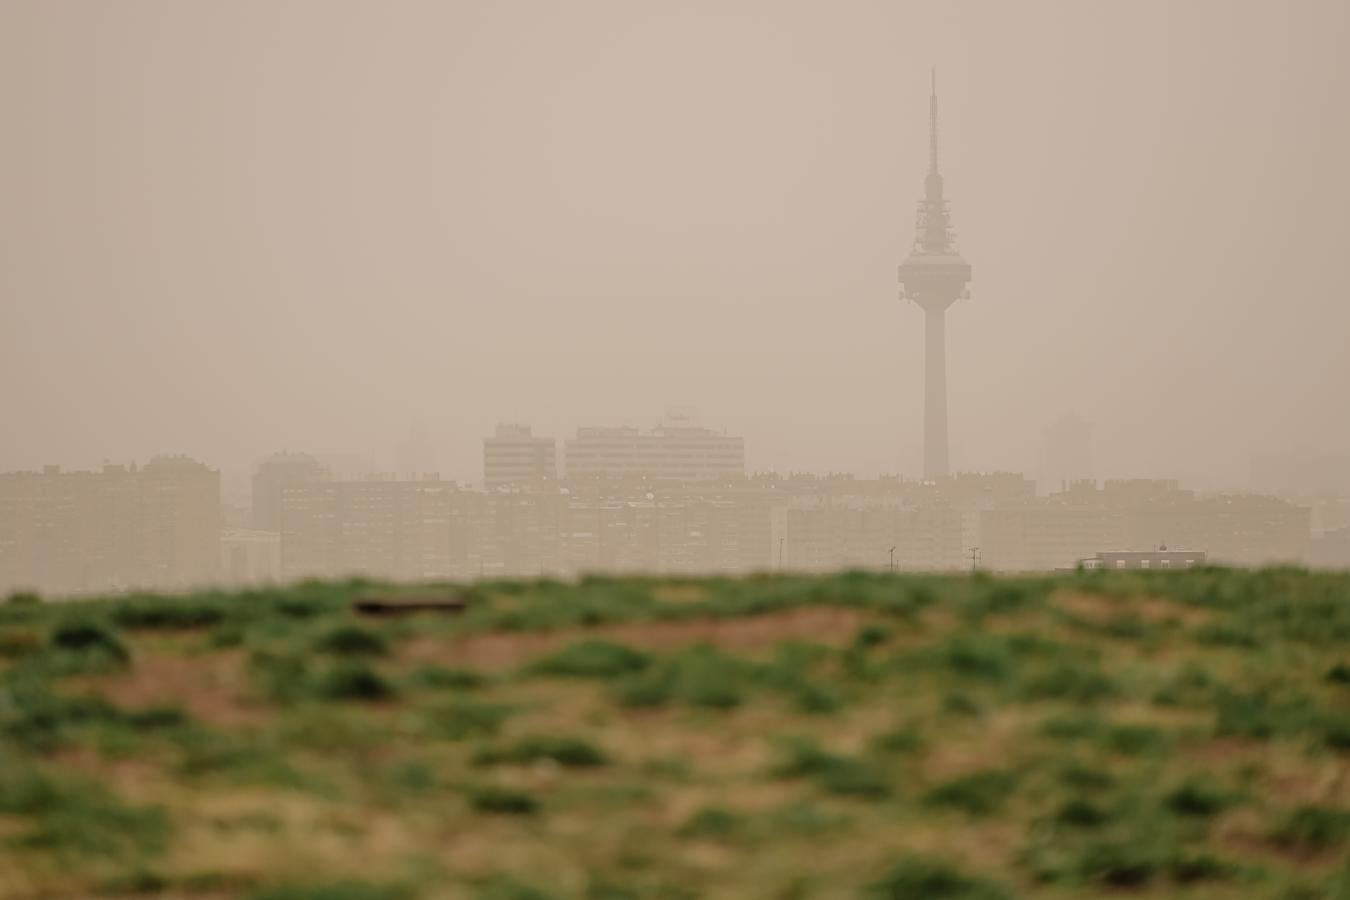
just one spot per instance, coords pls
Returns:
(857, 736)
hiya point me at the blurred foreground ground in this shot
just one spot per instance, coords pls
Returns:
(856, 736)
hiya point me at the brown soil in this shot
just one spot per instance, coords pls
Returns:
(210, 687)
(1102, 610)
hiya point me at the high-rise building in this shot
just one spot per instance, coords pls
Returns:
(516, 456)
(408, 529)
(273, 475)
(679, 451)
(934, 276)
(180, 512)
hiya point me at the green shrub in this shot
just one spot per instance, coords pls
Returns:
(565, 751)
(835, 774)
(1192, 686)
(24, 598)
(280, 677)
(906, 739)
(353, 681)
(816, 698)
(1220, 634)
(700, 676)
(333, 890)
(156, 718)
(976, 794)
(1078, 726)
(1314, 829)
(440, 677)
(977, 656)
(917, 878)
(138, 882)
(77, 818)
(411, 777)
(37, 719)
(1339, 673)
(1198, 797)
(1263, 714)
(871, 635)
(704, 676)
(205, 752)
(604, 889)
(1188, 868)
(713, 823)
(168, 613)
(1080, 777)
(226, 634)
(593, 659)
(465, 719)
(849, 777)
(1065, 681)
(1134, 740)
(644, 690)
(1336, 733)
(803, 819)
(1080, 813)
(352, 640)
(491, 799)
(88, 639)
(961, 703)
(503, 887)
(1118, 864)
(1001, 596)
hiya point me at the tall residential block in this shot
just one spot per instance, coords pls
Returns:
(514, 455)
(676, 452)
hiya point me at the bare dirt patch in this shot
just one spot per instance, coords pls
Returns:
(989, 748)
(210, 687)
(1101, 610)
(826, 625)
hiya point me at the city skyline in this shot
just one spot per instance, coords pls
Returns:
(675, 500)
(593, 234)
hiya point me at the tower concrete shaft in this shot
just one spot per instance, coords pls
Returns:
(934, 276)
(935, 394)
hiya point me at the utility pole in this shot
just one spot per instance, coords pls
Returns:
(974, 558)
(892, 566)
(780, 553)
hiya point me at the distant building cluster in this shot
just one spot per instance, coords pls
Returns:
(674, 500)
(118, 528)
(1237, 529)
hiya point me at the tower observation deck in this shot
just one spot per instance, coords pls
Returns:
(934, 276)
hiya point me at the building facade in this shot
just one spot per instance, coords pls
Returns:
(514, 456)
(677, 452)
(154, 527)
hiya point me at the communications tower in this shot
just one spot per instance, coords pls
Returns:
(934, 276)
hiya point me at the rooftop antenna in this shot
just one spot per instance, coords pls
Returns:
(933, 126)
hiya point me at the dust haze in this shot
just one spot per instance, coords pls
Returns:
(374, 232)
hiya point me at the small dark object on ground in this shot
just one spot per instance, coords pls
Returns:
(406, 605)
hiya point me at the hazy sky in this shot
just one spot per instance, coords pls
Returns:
(230, 228)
